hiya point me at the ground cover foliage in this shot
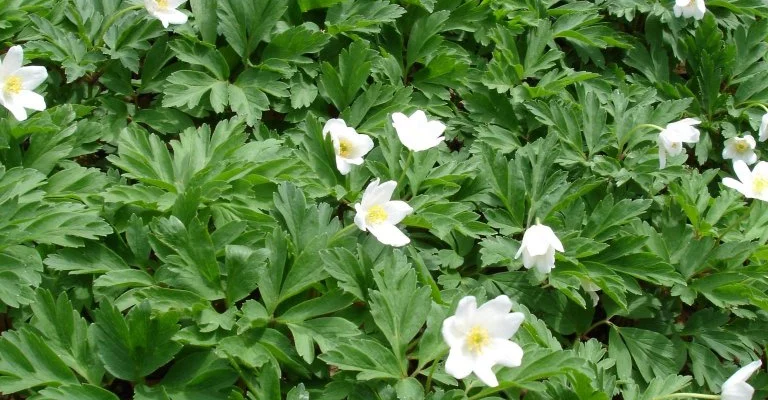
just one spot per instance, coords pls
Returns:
(173, 226)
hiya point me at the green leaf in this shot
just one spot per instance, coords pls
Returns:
(399, 307)
(370, 358)
(80, 392)
(26, 361)
(197, 53)
(654, 355)
(67, 334)
(424, 39)
(134, 346)
(341, 84)
(245, 24)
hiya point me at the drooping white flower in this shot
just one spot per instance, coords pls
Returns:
(17, 84)
(538, 248)
(350, 146)
(752, 184)
(378, 214)
(673, 136)
(166, 12)
(743, 149)
(763, 131)
(736, 387)
(416, 132)
(690, 8)
(479, 338)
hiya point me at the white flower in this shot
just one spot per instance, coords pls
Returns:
(752, 184)
(350, 146)
(690, 8)
(378, 214)
(165, 11)
(538, 248)
(416, 132)
(763, 131)
(736, 387)
(741, 149)
(673, 136)
(17, 84)
(479, 338)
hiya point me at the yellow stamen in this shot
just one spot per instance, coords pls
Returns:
(345, 148)
(477, 339)
(13, 85)
(376, 215)
(162, 4)
(741, 146)
(759, 184)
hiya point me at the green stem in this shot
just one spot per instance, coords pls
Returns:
(111, 21)
(343, 232)
(688, 395)
(428, 385)
(486, 392)
(627, 136)
(754, 104)
(242, 376)
(408, 162)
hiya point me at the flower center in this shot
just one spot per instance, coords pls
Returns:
(741, 146)
(162, 4)
(345, 148)
(376, 215)
(759, 184)
(477, 339)
(13, 85)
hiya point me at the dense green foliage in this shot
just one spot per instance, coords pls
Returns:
(173, 226)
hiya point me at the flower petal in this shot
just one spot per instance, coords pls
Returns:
(418, 117)
(742, 171)
(459, 364)
(16, 109)
(379, 194)
(12, 61)
(436, 128)
(503, 352)
(343, 165)
(176, 3)
(332, 125)
(733, 184)
(744, 373)
(484, 372)
(505, 326)
(389, 234)
(29, 99)
(360, 217)
(31, 77)
(396, 211)
(172, 16)
(452, 333)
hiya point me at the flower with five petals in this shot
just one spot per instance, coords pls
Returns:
(349, 146)
(378, 214)
(416, 132)
(743, 149)
(479, 338)
(17, 84)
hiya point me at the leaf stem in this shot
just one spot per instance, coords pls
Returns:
(240, 372)
(486, 392)
(407, 164)
(341, 233)
(689, 395)
(111, 21)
